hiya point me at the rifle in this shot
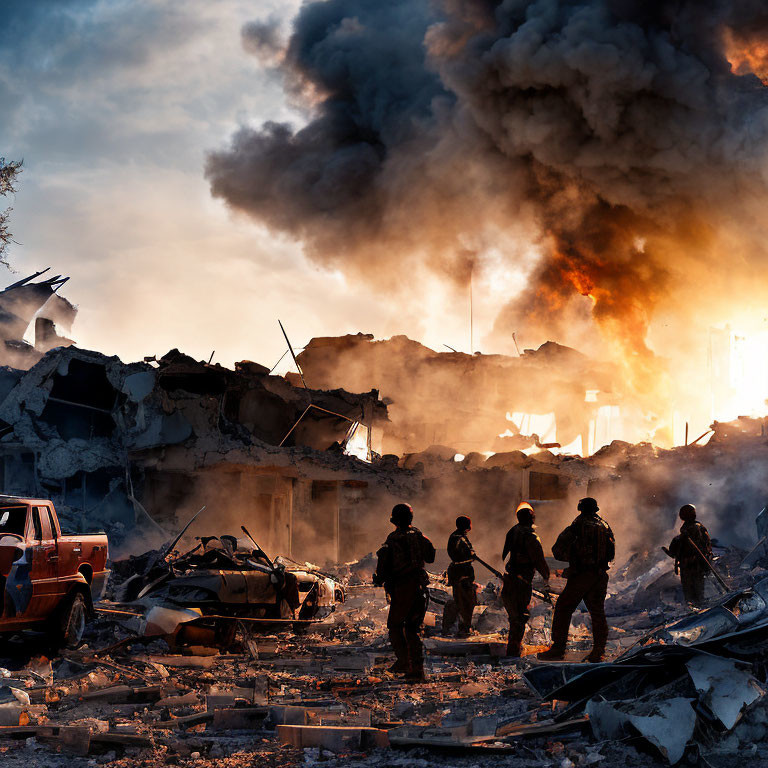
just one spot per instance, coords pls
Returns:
(545, 595)
(709, 565)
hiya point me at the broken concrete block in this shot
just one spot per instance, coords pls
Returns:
(240, 718)
(185, 700)
(726, 687)
(668, 724)
(333, 738)
(286, 715)
(483, 726)
(76, 740)
(223, 701)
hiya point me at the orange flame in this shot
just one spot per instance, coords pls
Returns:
(746, 56)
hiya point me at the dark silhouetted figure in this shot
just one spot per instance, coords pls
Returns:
(400, 570)
(461, 578)
(690, 548)
(525, 556)
(588, 546)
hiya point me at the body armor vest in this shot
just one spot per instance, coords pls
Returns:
(519, 557)
(587, 544)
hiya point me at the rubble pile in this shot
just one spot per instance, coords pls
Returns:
(678, 686)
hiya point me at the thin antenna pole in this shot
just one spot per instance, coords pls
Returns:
(471, 317)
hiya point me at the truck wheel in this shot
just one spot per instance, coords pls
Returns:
(72, 623)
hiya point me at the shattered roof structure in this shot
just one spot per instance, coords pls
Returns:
(28, 300)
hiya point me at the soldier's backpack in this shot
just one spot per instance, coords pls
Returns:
(586, 543)
(410, 550)
(593, 544)
(561, 549)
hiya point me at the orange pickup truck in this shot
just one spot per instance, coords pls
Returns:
(48, 580)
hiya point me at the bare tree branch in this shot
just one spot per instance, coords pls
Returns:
(9, 170)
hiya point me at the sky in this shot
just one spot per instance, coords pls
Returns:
(112, 106)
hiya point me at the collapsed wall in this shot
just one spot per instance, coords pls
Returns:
(137, 448)
(465, 401)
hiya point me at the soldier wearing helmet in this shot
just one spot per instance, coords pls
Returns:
(588, 546)
(400, 570)
(692, 548)
(525, 557)
(461, 578)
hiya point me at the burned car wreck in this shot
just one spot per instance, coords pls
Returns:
(737, 624)
(222, 583)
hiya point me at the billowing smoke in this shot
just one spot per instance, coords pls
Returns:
(262, 39)
(615, 134)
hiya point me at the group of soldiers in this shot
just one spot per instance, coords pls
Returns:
(587, 545)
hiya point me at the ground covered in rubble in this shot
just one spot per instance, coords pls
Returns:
(130, 702)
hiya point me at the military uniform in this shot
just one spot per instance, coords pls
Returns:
(461, 578)
(588, 545)
(692, 567)
(400, 569)
(525, 556)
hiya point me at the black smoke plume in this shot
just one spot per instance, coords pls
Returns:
(616, 132)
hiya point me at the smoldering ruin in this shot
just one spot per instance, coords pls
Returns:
(198, 563)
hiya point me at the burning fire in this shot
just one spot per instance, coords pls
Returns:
(740, 375)
(746, 56)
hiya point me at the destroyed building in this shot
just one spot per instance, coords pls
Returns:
(150, 443)
(138, 447)
(478, 403)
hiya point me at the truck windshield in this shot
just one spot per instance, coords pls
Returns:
(13, 520)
